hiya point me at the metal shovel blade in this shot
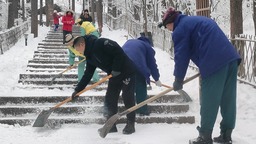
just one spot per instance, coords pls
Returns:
(53, 79)
(42, 118)
(185, 96)
(108, 125)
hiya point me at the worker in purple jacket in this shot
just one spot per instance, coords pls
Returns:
(143, 55)
(200, 39)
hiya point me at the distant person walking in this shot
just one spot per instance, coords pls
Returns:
(85, 16)
(68, 22)
(56, 20)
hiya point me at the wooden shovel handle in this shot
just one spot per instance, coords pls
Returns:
(69, 68)
(162, 84)
(156, 96)
(84, 90)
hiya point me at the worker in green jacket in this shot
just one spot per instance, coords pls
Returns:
(86, 28)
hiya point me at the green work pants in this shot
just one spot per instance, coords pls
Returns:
(219, 91)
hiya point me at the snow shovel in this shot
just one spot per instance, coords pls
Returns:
(112, 120)
(69, 68)
(43, 116)
(183, 94)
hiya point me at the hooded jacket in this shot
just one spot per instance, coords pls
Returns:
(56, 18)
(201, 40)
(106, 55)
(143, 55)
(68, 21)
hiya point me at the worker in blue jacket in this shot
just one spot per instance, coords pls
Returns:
(200, 39)
(142, 54)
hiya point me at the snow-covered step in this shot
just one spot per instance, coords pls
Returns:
(52, 52)
(75, 33)
(57, 81)
(47, 61)
(51, 44)
(50, 55)
(53, 40)
(53, 47)
(85, 119)
(50, 76)
(95, 98)
(24, 110)
(44, 71)
(52, 59)
(54, 37)
(49, 66)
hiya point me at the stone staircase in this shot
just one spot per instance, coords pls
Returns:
(49, 60)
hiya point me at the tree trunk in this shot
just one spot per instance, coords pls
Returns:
(136, 12)
(236, 28)
(99, 9)
(254, 21)
(74, 6)
(93, 10)
(23, 10)
(254, 16)
(10, 14)
(49, 12)
(155, 7)
(83, 4)
(34, 21)
(236, 18)
(41, 13)
(16, 8)
(145, 22)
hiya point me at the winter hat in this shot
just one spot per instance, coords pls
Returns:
(69, 39)
(54, 11)
(169, 16)
(69, 11)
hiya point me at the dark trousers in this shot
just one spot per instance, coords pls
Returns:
(141, 92)
(64, 35)
(115, 85)
(219, 91)
(56, 26)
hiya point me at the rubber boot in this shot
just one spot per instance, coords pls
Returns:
(203, 138)
(113, 129)
(224, 138)
(129, 128)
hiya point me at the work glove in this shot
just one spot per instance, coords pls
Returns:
(177, 84)
(149, 87)
(74, 95)
(158, 83)
(115, 73)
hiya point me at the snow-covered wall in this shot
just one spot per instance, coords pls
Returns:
(11, 36)
(3, 14)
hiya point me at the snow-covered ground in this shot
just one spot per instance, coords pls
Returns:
(14, 62)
